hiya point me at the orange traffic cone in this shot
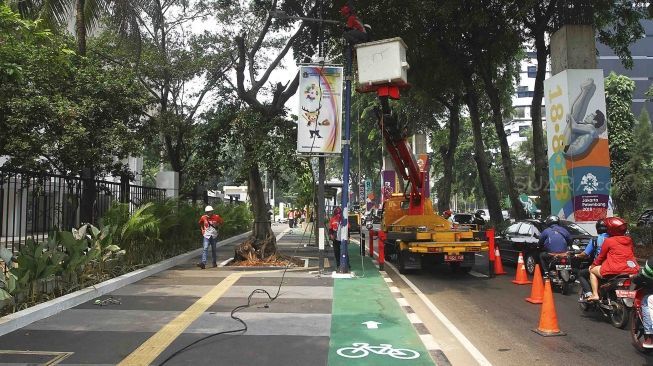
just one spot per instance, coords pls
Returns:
(498, 266)
(548, 319)
(521, 277)
(537, 291)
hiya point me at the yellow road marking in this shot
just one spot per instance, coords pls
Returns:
(155, 345)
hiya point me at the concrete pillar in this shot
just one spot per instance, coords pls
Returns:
(169, 181)
(573, 47)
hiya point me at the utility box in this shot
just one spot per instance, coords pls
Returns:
(382, 62)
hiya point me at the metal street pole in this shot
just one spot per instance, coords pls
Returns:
(344, 254)
(319, 218)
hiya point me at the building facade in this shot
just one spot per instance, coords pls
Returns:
(641, 72)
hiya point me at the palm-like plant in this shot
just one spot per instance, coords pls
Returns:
(124, 14)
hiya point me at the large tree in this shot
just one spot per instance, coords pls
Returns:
(261, 42)
(60, 112)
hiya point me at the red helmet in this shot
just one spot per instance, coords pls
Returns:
(345, 11)
(616, 226)
(337, 211)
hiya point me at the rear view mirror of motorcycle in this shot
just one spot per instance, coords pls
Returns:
(575, 247)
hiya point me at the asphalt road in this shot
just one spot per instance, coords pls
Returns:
(494, 316)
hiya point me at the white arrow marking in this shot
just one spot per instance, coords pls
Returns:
(371, 324)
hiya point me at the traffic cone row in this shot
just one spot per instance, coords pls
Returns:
(521, 277)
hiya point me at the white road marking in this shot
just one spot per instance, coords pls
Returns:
(402, 301)
(429, 342)
(394, 289)
(371, 324)
(474, 352)
(305, 262)
(225, 262)
(476, 274)
(478, 255)
(386, 279)
(414, 318)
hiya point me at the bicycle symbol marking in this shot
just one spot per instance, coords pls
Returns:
(360, 350)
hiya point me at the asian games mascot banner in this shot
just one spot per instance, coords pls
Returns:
(320, 109)
(577, 136)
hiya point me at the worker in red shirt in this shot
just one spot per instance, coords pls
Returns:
(334, 233)
(355, 31)
(209, 223)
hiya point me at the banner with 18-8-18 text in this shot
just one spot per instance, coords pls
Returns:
(577, 137)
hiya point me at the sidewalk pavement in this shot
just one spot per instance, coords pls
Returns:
(315, 320)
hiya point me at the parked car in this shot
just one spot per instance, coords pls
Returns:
(463, 218)
(646, 218)
(523, 236)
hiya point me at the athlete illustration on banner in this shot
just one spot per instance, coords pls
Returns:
(583, 130)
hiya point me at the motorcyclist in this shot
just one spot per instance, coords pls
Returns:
(554, 239)
(591, 251)
(644, 279)
(478, 219)
(616, 257)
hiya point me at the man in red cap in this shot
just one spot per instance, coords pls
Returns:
(354, 30)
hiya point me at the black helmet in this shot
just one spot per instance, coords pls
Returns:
(601, 228)
(552, 220)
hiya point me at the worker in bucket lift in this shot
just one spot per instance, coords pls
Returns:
(355, 31)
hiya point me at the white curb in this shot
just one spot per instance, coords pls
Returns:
(19, 319)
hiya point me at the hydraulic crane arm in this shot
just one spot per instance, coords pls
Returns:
(400, 152)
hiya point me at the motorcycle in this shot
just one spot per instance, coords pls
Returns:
(561, 272)
(615, 301)
(563, 269)
(636, 295)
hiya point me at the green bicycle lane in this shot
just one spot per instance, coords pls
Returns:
(368, 298)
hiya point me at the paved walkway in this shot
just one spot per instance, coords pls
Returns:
(311, 320)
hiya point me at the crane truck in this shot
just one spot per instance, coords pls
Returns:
(414, 233)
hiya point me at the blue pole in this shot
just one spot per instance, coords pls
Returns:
(344, 254)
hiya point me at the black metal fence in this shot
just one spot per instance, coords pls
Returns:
(33, 204)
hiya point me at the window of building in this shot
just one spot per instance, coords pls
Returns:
(524, 130)
(519, 112)
(523, 92)
(532, 70)
(531, 54)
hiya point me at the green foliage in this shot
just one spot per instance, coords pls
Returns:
(637, 183)
(73, 111)
(621, 121)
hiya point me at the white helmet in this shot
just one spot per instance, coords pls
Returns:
(208, 209)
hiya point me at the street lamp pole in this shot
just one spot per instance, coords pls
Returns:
(344, 253)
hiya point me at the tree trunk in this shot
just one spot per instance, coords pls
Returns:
(506, 160)
(80, 27)
(539, 146)
(448, 154)
(489, 188)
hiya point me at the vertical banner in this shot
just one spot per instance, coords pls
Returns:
(389, 184)
(369, 195)
(423, 164)
(577, 137)
(320, 109)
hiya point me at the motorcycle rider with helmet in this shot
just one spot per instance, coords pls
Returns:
(644, 279)
(616, 257)
(554, 239)
(591, 251)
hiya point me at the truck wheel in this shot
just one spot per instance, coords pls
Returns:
(401, 259)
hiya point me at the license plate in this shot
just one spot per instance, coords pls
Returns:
(454, 258)
(563, 266)
(630, 294)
